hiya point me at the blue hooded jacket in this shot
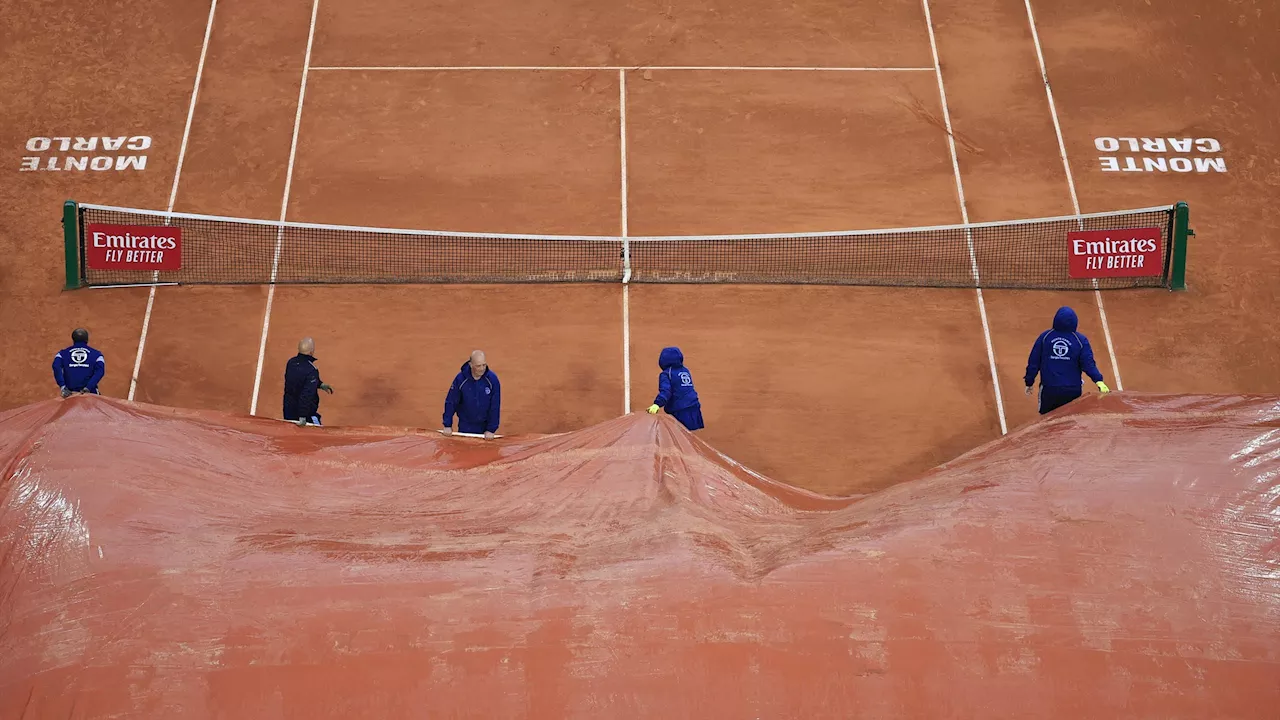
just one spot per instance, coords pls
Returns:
(675, 383)
(79, 368)
(478, 403)
(1061, 354)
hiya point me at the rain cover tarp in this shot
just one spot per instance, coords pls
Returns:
(1119, 559)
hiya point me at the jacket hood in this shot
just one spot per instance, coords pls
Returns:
(670, 357)
(1065, 320)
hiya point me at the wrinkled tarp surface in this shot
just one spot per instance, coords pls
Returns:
(1119, 559)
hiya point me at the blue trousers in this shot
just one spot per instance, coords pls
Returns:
(1052, 398)
(690, 417)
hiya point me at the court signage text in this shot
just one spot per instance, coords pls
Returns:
(1160, 155)
(132, 247)
(85, 154)
(1115, 253)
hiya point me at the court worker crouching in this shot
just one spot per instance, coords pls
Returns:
(79, 368)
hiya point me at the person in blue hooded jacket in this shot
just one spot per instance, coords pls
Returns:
(675, 390)
(476, 397)
(1059, 356)
(79, 368)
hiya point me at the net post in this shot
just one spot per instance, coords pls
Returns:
(71, 242)
(1178, 269)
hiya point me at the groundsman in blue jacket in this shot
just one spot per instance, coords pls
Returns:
(79, 368)
(476, 397)
(675, 390)
(1059, 356)
(302, 385)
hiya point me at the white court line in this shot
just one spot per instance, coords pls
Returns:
(1071, 184)
(152, 284)
(766, 68)
(284, 210)
(964, 214)
(173, 196)
(626, 273)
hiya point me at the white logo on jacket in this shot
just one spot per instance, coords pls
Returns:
(1060, 348)
(685, 380)
(78, 357)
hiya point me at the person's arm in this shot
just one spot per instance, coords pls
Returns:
(495, 408)
(1033, 360)
(1089, 365)
(664, 389)
(59, 374)
(99, 372)
(664, 392)
(451, 400)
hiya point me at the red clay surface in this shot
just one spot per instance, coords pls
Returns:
(837, 389)
(642, 32)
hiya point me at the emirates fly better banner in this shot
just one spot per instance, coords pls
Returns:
(1116, 253)
(132, 247)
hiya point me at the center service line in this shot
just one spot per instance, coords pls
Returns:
(284, 210)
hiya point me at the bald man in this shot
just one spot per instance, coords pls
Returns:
(476, 397)
(301, 386)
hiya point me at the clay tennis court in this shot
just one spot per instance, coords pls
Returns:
(509, 118)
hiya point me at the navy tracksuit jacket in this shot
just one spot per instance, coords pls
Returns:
(478, 403)
(676, 393)
(302, 389)
(1059, 356)
(79, 368)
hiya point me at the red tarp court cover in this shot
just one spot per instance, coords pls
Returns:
(1119, 559)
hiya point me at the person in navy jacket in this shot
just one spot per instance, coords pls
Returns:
(1059, 356)
(302, 386)
(476, 397)
(675, 390)
(79, 368)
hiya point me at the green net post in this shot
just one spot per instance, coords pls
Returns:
(71, 241)
(1178, 269)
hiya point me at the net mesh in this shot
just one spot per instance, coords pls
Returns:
(1028, 254)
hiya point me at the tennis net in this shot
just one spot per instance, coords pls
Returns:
(113, 246)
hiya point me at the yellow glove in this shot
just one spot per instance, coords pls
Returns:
(1102, 388)
(653, 409)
